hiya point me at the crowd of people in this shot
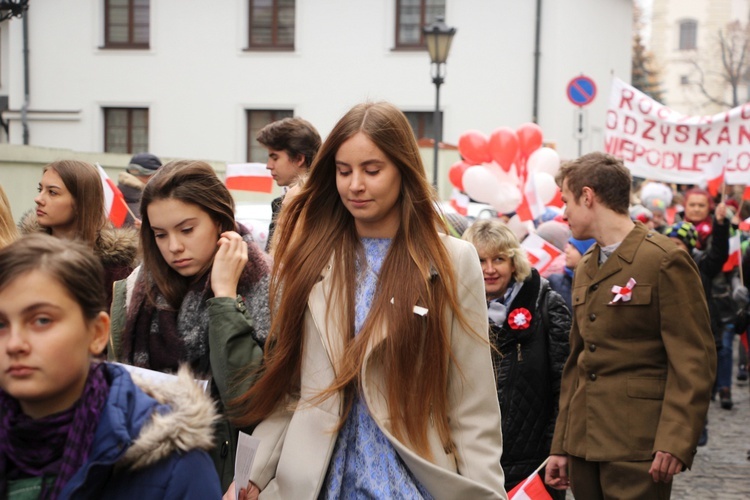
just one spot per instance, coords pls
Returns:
(376, 347)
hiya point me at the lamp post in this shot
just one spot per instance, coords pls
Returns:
(438, 37)
(12, 8)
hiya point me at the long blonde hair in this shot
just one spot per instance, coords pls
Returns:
(417, 271)
(8, 229)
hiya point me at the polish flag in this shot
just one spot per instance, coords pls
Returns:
(249, 177)
(540, 252)
(735, 253)
(459, 202)
(114, 201)
(532, 488)
(531, 206)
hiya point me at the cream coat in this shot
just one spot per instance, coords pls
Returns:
(296, 446)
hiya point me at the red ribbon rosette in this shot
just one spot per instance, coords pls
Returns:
(519, 319)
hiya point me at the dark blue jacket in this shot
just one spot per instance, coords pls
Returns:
(146, 450)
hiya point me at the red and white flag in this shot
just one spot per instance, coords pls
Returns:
(716, 175)
(540, 252)
(249, 177)
(735, 253)
(532, 488)
(459, 202)
(114, 201)
(531, 206)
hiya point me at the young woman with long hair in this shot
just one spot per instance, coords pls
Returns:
(377, 379)
(72, 427)
(70, 205)
(201, 295)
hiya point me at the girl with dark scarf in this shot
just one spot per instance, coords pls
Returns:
(201, 294)
(72, 427)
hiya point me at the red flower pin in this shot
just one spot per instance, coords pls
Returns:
(519, 319)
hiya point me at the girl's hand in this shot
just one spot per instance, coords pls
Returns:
(720, 212)
(229, 262)
(249, 493)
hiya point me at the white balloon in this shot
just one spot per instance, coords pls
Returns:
(509, 177)
(480, 183)
(506, 199)
(519, 228)
(544, 160)
(546, 187)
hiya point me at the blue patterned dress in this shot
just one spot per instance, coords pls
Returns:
(364, 463)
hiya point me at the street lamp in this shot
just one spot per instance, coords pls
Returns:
(12, 8)
(438, 37)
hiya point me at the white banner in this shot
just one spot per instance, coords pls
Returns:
(661, 144)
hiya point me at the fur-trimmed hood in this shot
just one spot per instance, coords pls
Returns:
(116, 247)
(130, 180)
(182, 420)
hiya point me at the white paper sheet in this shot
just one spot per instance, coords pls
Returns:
(247, 446)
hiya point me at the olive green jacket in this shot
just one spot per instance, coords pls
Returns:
(232, 351)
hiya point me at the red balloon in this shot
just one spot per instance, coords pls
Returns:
(456, 173)
(529, 138)
(504, 147)
(474, 147)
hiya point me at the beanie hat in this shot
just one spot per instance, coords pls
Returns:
(143, 164)
(683, 231)
(641, 213)
(554, 232)
(581, 245)
(656, 196)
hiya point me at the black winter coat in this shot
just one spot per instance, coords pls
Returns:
(710, 263)
(528, 367)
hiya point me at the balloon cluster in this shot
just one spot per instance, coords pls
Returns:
(497, 170)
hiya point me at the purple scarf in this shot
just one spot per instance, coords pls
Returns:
(53, 446)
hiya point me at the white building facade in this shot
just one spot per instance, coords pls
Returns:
(196, 79)
(686, 48)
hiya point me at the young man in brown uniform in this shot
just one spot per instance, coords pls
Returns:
(637, 384)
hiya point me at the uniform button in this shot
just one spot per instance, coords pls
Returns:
(595, 287)
(592, 376)
(592, 347)
(592, 316)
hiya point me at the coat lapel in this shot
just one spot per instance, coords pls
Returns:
(325, 322)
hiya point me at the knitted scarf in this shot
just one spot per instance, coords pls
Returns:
(159, 338)
(53, 446)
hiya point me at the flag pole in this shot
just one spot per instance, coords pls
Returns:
(531, 476)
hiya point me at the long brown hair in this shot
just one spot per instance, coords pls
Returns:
(188, 181)
(85, 185)
(417, 271)
(71, 263)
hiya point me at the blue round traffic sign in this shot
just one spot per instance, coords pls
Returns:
(581, 90)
